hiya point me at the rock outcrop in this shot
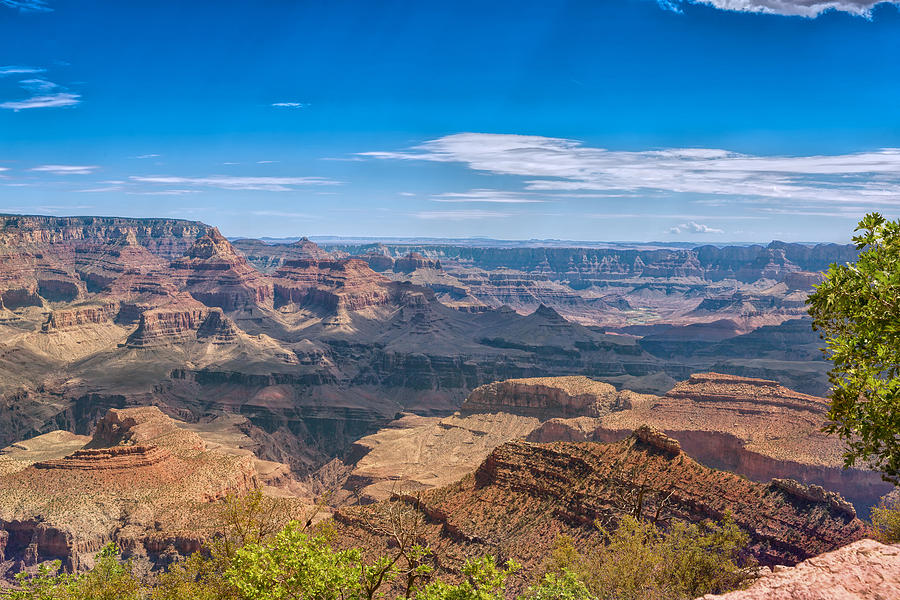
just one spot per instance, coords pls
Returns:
(524, 494)
(138, 471)
(863, 570)
(573, 396)
(753, 427)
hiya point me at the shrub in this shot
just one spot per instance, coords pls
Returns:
(886, 521)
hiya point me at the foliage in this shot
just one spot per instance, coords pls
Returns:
(484, 581)
(110, 579)
(857, 311)
(643, 562)
(886, 521)
(559, 586)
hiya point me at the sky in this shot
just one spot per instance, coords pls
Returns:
(712, 121)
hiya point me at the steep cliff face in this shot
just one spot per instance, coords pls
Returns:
(552, 396)
(345, 283)
(218, 276)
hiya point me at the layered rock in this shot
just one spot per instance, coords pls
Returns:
(754, 427)
(863, 570)
(523, 495)
(139, 469)
(334, 284)
(573, 396)
(216, 275)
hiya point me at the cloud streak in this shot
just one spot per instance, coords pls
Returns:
(19, 70)
(556, 167)
(290, 104)
(49, 101)
(792, 8)
(460, 215)
(226, 182)
(66, 169)
(488, 197)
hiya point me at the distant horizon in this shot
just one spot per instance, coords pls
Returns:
(720, 121)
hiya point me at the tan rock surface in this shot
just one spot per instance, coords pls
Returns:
(863, 570)
(417, 453)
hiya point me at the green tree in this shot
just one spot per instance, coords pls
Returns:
(296, 566)
(484, 581)
(856, 309)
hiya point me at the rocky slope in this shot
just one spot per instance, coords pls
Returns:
(524, 495)
(138, 481)
(862, 570)
(754, 427)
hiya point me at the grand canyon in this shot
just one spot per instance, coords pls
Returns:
(152, 365)
(471, 300)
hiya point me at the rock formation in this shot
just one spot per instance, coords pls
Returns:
(754, 427)
(62, 498)
(863, 570)
(524, 494)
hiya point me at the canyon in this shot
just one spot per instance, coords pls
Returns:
(149, 367)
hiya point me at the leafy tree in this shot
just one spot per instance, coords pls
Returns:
(484, 581)
(296, 566)
(856, 309)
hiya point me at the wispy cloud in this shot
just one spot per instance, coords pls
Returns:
(101, 190)
(290, 104)
(793, 8)
(66, 169)
(225, 182)
(145, 156)
(487, 196)
(460, 215)
(267, 162)
(48, 101)
(19, 70)
(27, 5)
(693, 227)
(37, 85)
(555, 166)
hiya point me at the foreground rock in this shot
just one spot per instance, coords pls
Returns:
(863, 570)
(141, 480)
(524, 495)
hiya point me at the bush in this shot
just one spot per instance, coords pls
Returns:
(886, 521)
(643, 562)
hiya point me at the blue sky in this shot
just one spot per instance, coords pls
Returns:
(715, 121)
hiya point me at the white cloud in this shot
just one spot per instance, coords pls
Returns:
(19, 70)
(793, 8)
(556, 167)
(487, 196)
(145, 156)
(693, 227)
(460, 215)
(267, 162)
(100, 190)
(66, 169)
(225, 182)
(290, 104)
(27, 5)
(279, 213)
(48, 101)
(37, 85)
